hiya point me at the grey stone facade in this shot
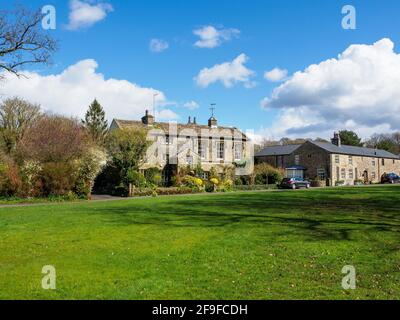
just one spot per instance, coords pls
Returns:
(333, 162)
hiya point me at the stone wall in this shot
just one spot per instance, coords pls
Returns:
(367, 169)
(313, 159)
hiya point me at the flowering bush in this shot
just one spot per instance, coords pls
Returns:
(214, 181)
(29, 174)
(193, 182)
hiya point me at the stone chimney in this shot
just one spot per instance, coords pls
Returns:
(190, 120)
(336, 139)
(194, 120)
(212, 122)
(148, 119)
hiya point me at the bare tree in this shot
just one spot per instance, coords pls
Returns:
(23, 41)
(16, 116)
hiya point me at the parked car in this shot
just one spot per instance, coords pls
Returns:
(294, 183)
(390, 178)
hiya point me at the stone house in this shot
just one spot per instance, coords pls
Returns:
(192, 144)
(333, 162)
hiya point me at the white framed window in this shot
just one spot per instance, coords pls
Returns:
(373, 175)
(189, 159)
(343, 173)
(202, 149)
(321, 174)
(337, 158)
(238, 151)
(350, 160)
(297, 159)
(373, 163)
(351, 174)
(290, 173)
(221, 150)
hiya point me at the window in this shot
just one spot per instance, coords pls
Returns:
(321, 174)
(189, 159)
(338, 173)
(297, 160)
(167, 140)
(373, 163)
(350, 160)
(202, 149)
(221, 150)
(238, 151)
(205, 175)
(373, 175)
(394, 161)
(356, 173)
(383, 162)
(351, 174)
(343, 173)
(290, 173)
(337, 158)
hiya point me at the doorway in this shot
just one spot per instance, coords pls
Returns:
(366, 177)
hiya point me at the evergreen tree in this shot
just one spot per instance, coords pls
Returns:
(96, 123)
(350, 138)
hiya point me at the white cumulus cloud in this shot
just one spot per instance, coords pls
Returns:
(228, 73)
(191, 105)
(85, 13)
(359, 90)
(276, 75)
(158, 45)
(211, 37)
(71, 91)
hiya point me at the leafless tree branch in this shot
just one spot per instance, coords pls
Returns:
(23, 41)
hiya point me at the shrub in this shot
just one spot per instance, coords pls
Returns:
(228, 184)
(136, 178)
(193, 182)
(30, 171)
(58, 178)
(255, 187)
(120, 191)
(214, 181)
(266, 174)
(209, 187)
(153, 176)
(10, 180)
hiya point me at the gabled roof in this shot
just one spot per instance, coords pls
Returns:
(355, 151)
(234, 132)
(278, 150)
(331, 148)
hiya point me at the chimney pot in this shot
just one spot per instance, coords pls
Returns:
(148, 119)
(194, 120)
(336, 139)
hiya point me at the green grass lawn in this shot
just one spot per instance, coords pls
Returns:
(256, 245)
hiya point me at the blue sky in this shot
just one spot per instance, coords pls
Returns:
(287, 34)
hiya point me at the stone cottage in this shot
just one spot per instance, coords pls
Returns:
(333, 162)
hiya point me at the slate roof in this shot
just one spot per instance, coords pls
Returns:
(234, 132)
(331, 148)
(278, 150)
(356, 151)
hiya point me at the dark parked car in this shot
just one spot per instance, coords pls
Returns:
(390, 178)
(294, 183)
